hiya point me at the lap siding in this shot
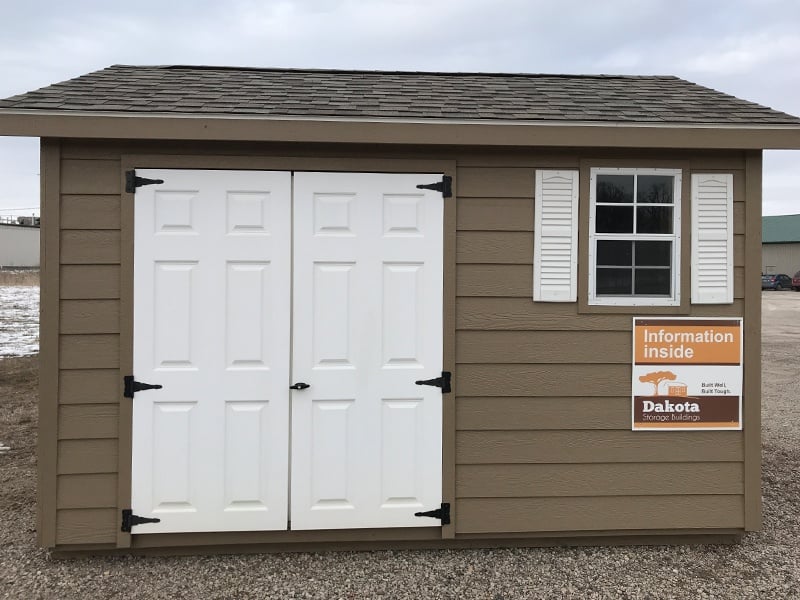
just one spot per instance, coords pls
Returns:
(600, 513)
(543, 440)
(550, 412)
(89, 352)
(569, 446)
(87, 525)
(87, 491)
(599, 479)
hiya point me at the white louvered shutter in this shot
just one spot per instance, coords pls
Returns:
(712, 238)
(555, 242)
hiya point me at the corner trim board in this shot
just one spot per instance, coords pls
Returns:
(47, 450)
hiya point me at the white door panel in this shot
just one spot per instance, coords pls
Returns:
(212, 273)
(212, 315)
(366, 441)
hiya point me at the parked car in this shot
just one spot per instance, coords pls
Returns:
(778, 282)
(796, 282)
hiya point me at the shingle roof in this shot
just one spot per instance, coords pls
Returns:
(780, 229)
(386, 94)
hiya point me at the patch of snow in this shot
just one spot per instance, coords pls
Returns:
(19, 320)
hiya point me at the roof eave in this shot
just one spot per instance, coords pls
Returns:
(154, 126)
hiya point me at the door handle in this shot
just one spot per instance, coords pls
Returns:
(299, 386)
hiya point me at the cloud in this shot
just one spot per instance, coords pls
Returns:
(749, 48)
(740, 55)
(19, 171)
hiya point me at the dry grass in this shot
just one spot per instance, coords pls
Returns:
(19, 378)
(19, 277)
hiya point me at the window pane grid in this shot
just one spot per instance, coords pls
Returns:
(657, 213)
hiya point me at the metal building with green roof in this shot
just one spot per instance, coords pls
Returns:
(780, 238)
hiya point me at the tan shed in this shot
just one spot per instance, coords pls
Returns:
(307, 309)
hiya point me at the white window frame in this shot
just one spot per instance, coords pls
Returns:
(674, 299)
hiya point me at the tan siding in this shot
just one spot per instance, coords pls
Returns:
(543, 380)
(87, 526)
(495, 214)
(738, 250)
(539, 158)
(608, 513)
(83, 421)
(498, 413)
(90, 177)
(542, 408)
(522, 314)
(90, 386)
(735, 309)
(738, 215)
(89, 316)
(489, 247)
(88, 420)
(738, 282)
(89, 351)
(498, 447)
(90, 212)
(89, 281)
(87, 491)
(510, 281)
(495, 182)
(89, 247)
(87, 456)
(619, 479)
(514, 347)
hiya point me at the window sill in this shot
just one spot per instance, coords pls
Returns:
(628, 302)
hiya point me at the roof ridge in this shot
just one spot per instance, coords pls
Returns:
(393, 72)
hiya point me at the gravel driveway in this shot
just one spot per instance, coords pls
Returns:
(764, 565)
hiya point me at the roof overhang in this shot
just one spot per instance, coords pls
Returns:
(155, 126)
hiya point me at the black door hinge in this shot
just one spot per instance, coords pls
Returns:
(129, 520)
(445, 186)
(131, 386)
(132, 181)
(442, 382)
(442, 513)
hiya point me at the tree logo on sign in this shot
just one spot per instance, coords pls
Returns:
(656, 377)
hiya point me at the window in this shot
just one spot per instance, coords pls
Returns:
(634, 237)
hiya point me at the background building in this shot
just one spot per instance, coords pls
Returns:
(19, 242)
(780, 240)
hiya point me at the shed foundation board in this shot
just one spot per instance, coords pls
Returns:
(665, 538)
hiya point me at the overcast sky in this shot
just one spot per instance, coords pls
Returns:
(748, 48)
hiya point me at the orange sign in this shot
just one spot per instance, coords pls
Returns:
(687, 374)
(695, 342)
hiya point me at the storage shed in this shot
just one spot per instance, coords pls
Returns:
(392, 309)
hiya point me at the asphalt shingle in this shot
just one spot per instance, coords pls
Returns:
(385, 94)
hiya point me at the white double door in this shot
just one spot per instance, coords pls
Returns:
(247, 282)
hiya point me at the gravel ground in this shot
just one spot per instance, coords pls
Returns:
(765, 565)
